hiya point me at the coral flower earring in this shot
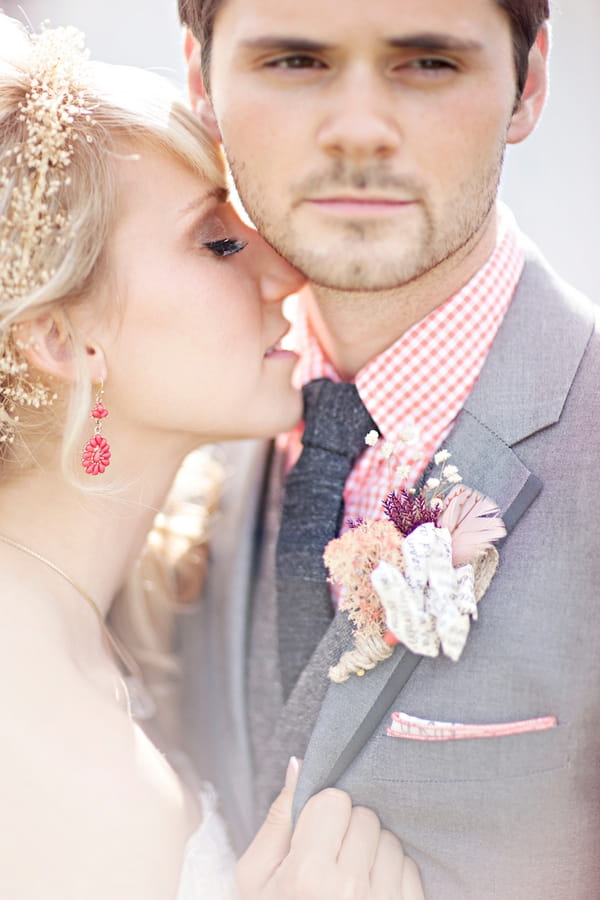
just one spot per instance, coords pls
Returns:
(95, 458)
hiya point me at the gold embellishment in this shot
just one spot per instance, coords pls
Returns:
(19, 388)
(33, 171)
(34, 224)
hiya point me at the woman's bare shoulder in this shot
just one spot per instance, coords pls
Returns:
(90, 808)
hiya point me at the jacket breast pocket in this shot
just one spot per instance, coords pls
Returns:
(409, 749)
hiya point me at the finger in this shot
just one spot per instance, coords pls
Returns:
(272, 841)
(387, 872)
(412, 886)
(359, 848)
(328, 815)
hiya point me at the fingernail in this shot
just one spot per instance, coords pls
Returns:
(291, 775)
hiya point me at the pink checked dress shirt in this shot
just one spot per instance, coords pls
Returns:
(422, 381)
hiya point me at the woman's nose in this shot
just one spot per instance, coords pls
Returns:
(277, 277)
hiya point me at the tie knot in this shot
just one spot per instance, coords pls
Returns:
(335, 418)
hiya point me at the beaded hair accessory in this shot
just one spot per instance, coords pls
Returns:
(34, 225)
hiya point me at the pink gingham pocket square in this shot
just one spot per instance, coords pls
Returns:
(413, 728)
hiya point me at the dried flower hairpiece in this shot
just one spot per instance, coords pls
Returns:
(415, 577)
(33, 171)
(19, 388)
(33, 223)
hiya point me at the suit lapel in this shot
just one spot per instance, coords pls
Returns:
(529, 371)
(489, 465)
(521, 390)
(233, 561)
(350, 712)
(224, 613)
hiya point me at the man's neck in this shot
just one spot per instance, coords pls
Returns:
(355, 327)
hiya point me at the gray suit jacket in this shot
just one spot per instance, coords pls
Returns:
(490, 817)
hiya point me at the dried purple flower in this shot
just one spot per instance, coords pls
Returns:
(355, 523)
(408, 511)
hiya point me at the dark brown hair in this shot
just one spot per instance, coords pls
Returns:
(199, 17)
(526, 19)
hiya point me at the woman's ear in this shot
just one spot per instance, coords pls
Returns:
(47, 345)
(199, 98)
(531, 103)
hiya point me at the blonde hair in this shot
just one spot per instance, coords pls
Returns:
(115, 109)
(105, 111)
(165, 584)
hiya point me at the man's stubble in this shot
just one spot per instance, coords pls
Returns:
(373, 256)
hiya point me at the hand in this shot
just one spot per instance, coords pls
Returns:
(336, 852)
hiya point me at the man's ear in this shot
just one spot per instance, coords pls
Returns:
(46, 344)
(199, 98)
(529, 108)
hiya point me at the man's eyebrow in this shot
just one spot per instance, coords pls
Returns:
(431, 40)
(283, 42)
(423, 40)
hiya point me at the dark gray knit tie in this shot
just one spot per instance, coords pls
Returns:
(335, 426)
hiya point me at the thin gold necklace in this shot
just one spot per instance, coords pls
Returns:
(141, 703)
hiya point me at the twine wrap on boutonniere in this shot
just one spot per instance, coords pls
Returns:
(417, 576)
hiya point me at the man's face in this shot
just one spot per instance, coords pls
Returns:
(365, 137)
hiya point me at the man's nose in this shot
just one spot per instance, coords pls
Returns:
(361, 118)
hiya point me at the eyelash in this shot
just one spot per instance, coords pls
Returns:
(432, 64)
(295, 61)
(225, 247)
(300, 62)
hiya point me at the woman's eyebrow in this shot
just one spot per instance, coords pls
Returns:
(203, 199)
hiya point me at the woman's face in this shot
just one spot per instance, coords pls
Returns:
(195, 347)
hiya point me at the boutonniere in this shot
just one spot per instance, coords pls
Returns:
(417, 576)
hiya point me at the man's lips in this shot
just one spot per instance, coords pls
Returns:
(348, 204)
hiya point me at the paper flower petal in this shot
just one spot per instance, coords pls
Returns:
(453, 630)
(429, 604)
(405, 615)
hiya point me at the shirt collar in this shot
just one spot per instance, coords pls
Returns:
(488, 292)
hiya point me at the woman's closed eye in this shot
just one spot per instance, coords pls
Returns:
(225, 246)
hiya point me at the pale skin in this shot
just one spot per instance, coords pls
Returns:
(376, 165)
(90, 807)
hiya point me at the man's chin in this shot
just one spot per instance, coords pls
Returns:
(347, 272)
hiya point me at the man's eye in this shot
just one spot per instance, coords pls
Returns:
(431, 64)
(295, 62)
(225, 247)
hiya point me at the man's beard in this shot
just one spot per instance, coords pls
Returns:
(371, 256)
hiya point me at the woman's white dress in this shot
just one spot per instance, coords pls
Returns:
(209, 862)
